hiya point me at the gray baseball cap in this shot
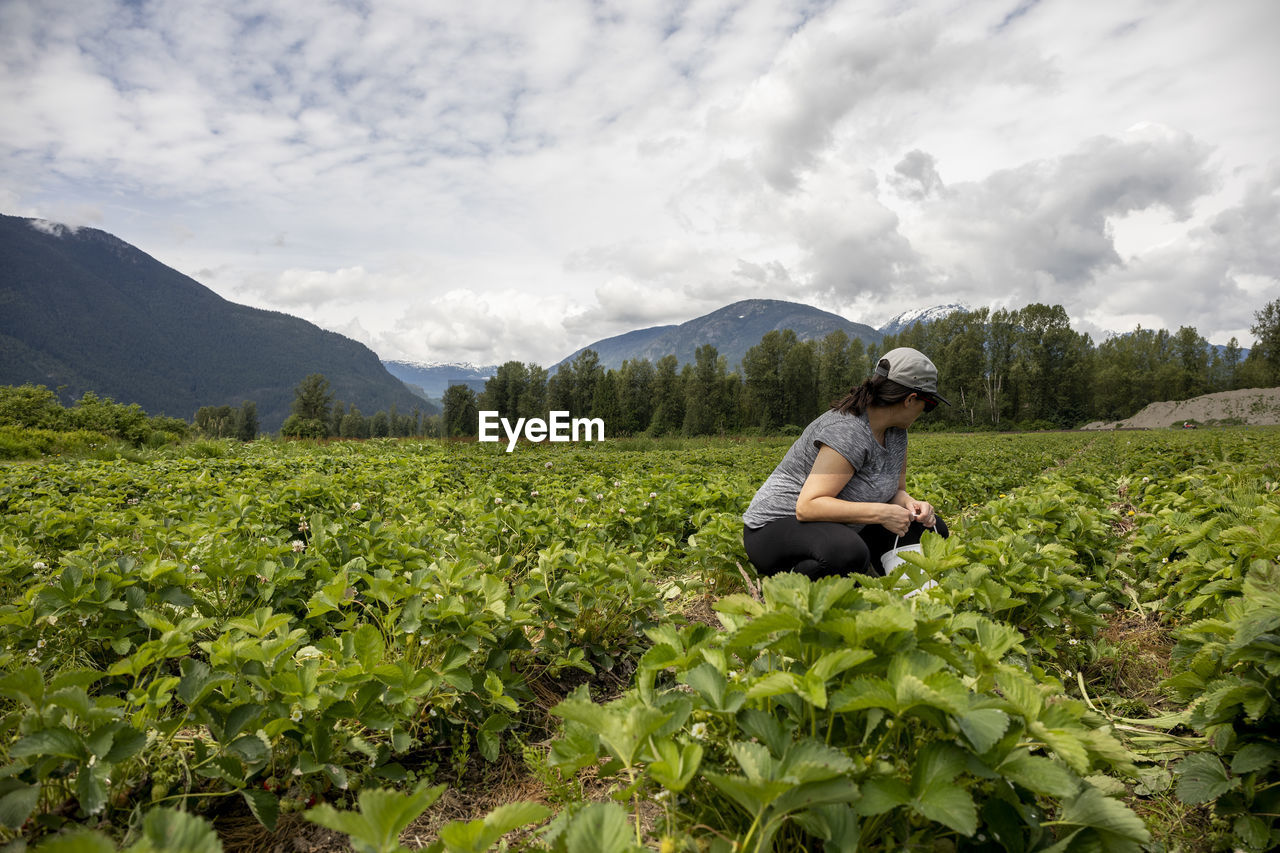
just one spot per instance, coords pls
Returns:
(912, 369)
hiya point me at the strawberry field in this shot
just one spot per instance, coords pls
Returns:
(229, 646)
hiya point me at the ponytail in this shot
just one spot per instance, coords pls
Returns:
(877, 390)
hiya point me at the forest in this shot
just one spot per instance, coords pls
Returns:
(1003, 369)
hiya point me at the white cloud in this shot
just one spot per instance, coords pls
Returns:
(514, 180)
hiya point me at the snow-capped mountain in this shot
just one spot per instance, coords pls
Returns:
(909, 318)
(434, 378)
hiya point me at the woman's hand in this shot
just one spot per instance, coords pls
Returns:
(895, 519)
(922, 511)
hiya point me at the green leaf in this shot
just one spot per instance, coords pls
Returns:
(1252, 830)
(752, 795)
(1153, 780)
(17, 801)
(1254, 756)
(600, 828)
(490, 736)
(369, 646)
(711, 685)
(675, 766)
(264, 806)
(1121, 830)
(880, 794)
(78, 841)
(836, 824)
(197, 680)
(1039, 775)
(127, 743)
(383, 815)
(56, 740)
(773, 684)
(91, 787)
(834, 663)
(863, 693)
(172, 831)
(1202, 778)
(477, 836)
(25, 685)
(949, 805)
(937, 764)
(984, 727)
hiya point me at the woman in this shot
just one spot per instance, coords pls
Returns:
(838, 499)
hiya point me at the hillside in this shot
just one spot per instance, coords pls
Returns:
(732, 330)
(86, 311)
(1253, 406)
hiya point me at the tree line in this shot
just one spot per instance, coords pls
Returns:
(1004, 369)
(316, 414)
(37, 407)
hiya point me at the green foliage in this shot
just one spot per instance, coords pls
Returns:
(267, 623)
(33, 424)
(461, 416)
(382, 816)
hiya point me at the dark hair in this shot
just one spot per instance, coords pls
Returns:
(876, 391)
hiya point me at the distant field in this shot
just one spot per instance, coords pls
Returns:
(224, 644)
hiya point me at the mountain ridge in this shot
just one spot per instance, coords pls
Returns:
(87, 311)
(732, 329)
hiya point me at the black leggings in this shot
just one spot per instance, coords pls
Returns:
(821, 548)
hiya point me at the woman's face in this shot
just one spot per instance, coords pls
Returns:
(913, 407)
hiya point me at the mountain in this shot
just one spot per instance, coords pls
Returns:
(732, 330)
(86, 311)
(909, 318)
(434, 378)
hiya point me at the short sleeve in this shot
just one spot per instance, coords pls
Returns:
(844, 437)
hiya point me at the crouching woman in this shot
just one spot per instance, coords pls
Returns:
(838, 501)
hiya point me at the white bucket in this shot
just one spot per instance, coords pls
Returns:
(890, 560)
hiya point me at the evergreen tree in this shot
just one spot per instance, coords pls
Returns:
(1230, 364)
(1266, 349)
(533, 399)
(247, 421)
(586, 373)
(605, 403)
(354, 424)
(668, 414)
(762, 368)
(636, 382)
(312, 398)
(461, 415)
(704, 408)
(560, 389)
(799, 374)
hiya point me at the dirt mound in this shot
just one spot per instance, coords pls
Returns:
(1253, 406)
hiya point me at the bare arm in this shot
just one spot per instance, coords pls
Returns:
(921, 511)
(818, 501)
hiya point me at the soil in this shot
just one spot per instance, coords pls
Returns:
(1249, 406)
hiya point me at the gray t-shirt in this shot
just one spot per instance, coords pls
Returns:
(877, 470)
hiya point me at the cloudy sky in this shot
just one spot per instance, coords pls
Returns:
(490, 179)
